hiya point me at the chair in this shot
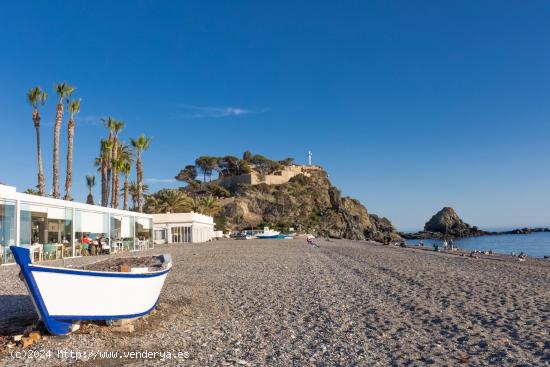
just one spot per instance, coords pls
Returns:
(127, 245)
(67, 249)
(36, 249)
(117, 246)
(49, 251)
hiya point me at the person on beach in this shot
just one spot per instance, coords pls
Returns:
(86, 244)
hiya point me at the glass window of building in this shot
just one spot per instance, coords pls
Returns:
(122, 232)
(46, 230)
(90, 228)
(7, 230)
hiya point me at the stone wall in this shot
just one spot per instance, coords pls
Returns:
(278, 178)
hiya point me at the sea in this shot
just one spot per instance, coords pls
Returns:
(533, 244)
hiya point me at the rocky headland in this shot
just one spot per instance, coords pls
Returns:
(306, 203)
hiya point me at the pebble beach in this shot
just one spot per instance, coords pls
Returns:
(283, 302)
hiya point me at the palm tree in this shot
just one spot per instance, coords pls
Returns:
(141, 144)
(167, 201)
(125, 157)
(31, 191)
(63, 91)
(102, 163)
(125, 169)
(37, 96)
(73, 107)
(209, 206)
(117, 126)
(90, 183)
(133, 189)
(109, 124)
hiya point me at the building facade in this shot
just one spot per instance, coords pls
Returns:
(182, 228)
(55, 228)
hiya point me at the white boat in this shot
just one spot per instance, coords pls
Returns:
(268, 233)
(62, 296)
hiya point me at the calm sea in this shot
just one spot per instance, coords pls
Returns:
(534, 244)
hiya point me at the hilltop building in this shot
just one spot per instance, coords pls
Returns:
(276, 178)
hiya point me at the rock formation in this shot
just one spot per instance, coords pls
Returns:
(306, 203)
(446, 223)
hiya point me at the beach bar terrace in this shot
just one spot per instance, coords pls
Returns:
(54, 228)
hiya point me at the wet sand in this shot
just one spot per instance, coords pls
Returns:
(281, 302)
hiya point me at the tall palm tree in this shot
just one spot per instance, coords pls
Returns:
(73, 107)
(141, 144)
(117, 126)
(90, 183)
(63, 91)
(102, 163)
(37, 96)
(133, 189)
(125, 170)
(125, 157)
(109, 124)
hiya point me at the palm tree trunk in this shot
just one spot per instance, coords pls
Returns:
(126, 192)
(56, 133)
(140, 184)
(109, 169)
(104, 185)
(114, 194)
(41, 180)
(69, 177)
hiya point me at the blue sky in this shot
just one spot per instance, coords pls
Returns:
(410, 106)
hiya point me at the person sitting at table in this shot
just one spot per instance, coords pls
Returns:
(103, 242)
(86, 244)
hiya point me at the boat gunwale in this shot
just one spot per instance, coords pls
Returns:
(106, 274)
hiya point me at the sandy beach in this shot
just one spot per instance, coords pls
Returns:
(281, 302)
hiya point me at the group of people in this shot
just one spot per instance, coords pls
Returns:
(94, 247)
(446, 245)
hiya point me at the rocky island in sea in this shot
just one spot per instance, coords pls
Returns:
(447, 224)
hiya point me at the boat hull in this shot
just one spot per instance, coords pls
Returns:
(62, 296)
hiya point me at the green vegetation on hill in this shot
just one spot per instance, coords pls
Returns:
(229, 166)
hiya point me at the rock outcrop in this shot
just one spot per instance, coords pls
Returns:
(309, 204)
(446, 224)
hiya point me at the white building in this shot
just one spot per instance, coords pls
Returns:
(182, 228)
(55, 228)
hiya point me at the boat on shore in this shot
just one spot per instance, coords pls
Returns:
(64, 296)
(268, 233)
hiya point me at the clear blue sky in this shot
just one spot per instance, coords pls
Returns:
(410, 105)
